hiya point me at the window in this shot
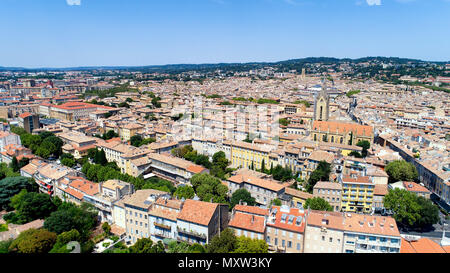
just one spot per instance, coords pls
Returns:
(394, 241)
(323, 238)
(372, 238)
(348, 251)
(276, 241)
(268, 239)
(361, 237)
(283, 243)
(331, 240)
(289, 244)
(350, 242)
(298, 246)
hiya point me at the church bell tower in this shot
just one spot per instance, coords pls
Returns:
(322, 104)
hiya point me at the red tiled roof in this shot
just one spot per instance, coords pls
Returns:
(342, 128)
(198, 212)
(251, 210)
(249, 222)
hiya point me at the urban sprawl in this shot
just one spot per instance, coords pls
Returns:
(328, 157)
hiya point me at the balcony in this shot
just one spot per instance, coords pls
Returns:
(160, 225)
(163, 234)
(192, 233)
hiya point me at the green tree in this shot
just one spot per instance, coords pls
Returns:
(100, 157)
(68, 162)
(318, 203)
(284, 122)
(30, 206)
(225, 242)
(400, 170)
(70, 216)
(63, 239)
(106, 228)
(321, 173)
(14, 164)
(11, 186)
(275, 202)
(410, 210)
(208, 187)
(241, 195)
(355, 154)
(248, 245)
(263, 166)
(365, 145)
(185, 192)
(136, 140)
(145, 245)
(33, 241)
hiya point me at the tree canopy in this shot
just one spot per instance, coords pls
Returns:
(241, 195)
(209, 188)
(321, 173)
(317, 203)
(33, 241)
(11, 186)
(410, 210)
(145, 245)
(400, 170)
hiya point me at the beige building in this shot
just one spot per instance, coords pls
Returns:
(324, 232)
(329, 191)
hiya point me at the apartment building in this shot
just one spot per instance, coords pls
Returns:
(29, 121)
(379, 192)
(173, 168)
(32, 167)
(249, 221)
(129, 130)
(357, 193)
(100, 195)
(329, 191)
(324, 232)
(264, 190)
(370, 234)
(7, 138)
(285, 229)
(199, 221)
(48, 175)
(136, 208)
(163, 218)
(413, 187)
(77, 144)
(72, 111)
(243, 154)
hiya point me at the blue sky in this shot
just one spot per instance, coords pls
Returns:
(63, 33)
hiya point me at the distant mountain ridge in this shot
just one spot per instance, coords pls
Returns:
(238, 66)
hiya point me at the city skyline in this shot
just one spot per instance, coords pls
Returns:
(63, 33)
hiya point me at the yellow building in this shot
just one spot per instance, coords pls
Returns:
(243, 154)
(357, 194)
(129, 130)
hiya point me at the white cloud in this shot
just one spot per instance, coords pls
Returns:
(374, 2)
(73, 2)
